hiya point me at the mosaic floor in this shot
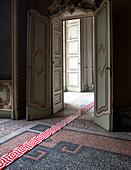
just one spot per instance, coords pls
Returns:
(69, 149)
(80, 145)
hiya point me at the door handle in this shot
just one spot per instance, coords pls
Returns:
(107, 68)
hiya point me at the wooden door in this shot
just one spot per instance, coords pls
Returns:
(57, 68)
(73, 65)
(103, 62)
(38, 67)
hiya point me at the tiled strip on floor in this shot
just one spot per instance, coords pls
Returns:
(22, 149)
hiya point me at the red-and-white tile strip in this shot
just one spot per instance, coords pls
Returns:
(22, 149)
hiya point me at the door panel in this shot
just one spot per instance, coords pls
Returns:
(103, 109)
(38, 74)
(57, 71)
(73, 55)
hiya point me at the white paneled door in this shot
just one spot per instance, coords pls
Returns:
(57, 60)
(73, 78)
(103, 59)
(38, 67)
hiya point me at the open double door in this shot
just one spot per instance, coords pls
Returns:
(41, 66)
(45, 63)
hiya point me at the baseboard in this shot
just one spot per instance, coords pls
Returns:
(5, 114)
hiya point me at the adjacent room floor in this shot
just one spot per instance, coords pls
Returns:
(80, 145)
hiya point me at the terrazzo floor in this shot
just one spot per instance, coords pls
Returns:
(80, 145)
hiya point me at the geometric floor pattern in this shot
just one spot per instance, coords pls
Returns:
(33, 142)
(64, 150)
(81, 145)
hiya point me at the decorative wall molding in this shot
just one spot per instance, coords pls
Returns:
(101, 48)
(71, 5)
(57, 98)
(5, 95)
(102, 71)
(38, 70)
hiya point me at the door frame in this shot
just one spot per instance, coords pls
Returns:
(14, 32)
(80, 58)
(84, 13)
(94, 56)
